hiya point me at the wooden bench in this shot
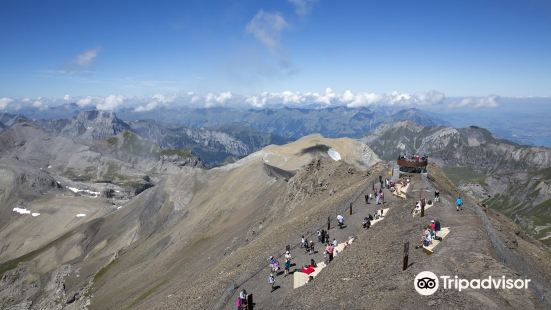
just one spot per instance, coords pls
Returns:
(385, 211)
(300, 278)
(443, 233)
(400, 190)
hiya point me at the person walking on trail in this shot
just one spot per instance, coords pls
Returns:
(335, 243)
(288, 255)
(311, 247)
(287, 266)
(437, 196)
(271, 281)
(340, 220)
(319, 235)
(382, 196)
(459, 203)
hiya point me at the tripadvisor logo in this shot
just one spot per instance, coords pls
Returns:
(427, 283)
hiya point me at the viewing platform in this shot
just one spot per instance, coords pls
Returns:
(413, 164)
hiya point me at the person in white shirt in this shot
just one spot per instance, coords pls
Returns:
(340, 220)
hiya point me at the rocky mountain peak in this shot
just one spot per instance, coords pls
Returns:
(94, 124)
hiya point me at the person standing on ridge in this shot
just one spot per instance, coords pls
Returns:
(436, 195)
(459, 203)
(287, 266)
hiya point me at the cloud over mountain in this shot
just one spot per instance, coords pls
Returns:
(476, 102)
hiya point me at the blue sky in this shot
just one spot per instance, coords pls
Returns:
(141, 48)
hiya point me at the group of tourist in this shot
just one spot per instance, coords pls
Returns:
(416, 158)
(429, 233)
(308, 246)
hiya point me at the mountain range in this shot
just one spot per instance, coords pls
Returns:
(98, 212)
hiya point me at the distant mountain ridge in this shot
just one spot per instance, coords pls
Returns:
(287, 122)
(213, 145)
(512, 178)
(472, 146)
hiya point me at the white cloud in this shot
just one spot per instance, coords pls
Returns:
(39, 103)
(257, 101)
(79, 63)
(157, 100)
(266, 27)
(326, 98)
(110, 102)
(303, 7)
(82, 102)
(347, 98)
(4, 102)
(86, 58)
(476, 102)
(67, 97)
(361, 99)
(217, 99)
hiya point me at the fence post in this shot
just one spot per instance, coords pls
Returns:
(406, 252)
(250, 303)
(328, 222)
(350, 208)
